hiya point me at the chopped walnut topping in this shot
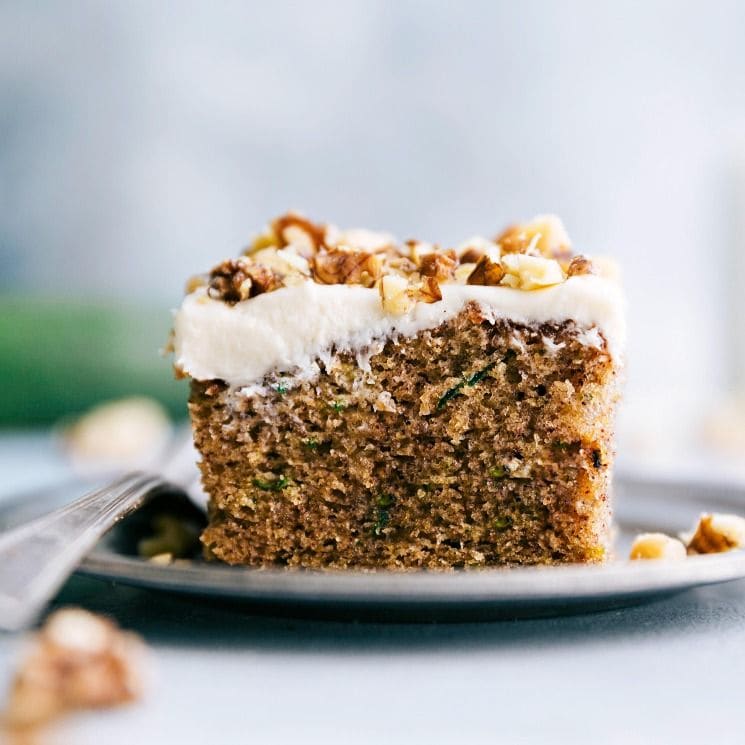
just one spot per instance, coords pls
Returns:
(471, 256)
(419, 250)
(285, 262)
(399, 296)
(294, 229)
(463, 272)
(402, 265)
(544, 235)
(239, 279)
(486, 272)
(514, 240)
(525, 272)
(426, 291)
(293, 250)
(394, 294)
(340, 267)
(716, 533)
(78, 661)
(262, 279)
(440, 265)
(470, 251)
(580, 265)
(657, 546)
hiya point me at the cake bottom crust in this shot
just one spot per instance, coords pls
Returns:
(473, 444)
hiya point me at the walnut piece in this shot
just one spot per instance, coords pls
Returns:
(514, 240)
(470, 251)
(657, 546)
(235, 280)
(486, 272)
(341, 267)
(399, 296)
(417, 250)
(471, 256)
(77, 661)
(401, 264)
(580, 265)
(394, 294)
(544, 235)
(463, 272)
(290, 266)
(716, 533)
(295, 230)
(440, 265)
(426, 291)
(525, 272)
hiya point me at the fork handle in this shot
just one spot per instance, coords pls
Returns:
(37, 557)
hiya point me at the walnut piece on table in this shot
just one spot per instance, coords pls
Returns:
(77, 660)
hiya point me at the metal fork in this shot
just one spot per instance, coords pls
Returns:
(36, 558)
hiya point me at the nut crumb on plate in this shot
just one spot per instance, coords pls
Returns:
(657, 546)
(716, 533)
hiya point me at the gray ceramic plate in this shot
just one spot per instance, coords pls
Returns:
(642, 505)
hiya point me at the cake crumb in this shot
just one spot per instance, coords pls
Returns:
(163, 559)
(172, 536)
(76, 661)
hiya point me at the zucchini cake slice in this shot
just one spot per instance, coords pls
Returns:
(363, 403)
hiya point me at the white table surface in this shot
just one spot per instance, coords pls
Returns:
(670, 671)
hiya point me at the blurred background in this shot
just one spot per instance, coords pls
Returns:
(141, 143)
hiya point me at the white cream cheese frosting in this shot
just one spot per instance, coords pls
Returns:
(287, 330)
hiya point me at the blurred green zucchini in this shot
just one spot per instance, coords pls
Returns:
(59, 357)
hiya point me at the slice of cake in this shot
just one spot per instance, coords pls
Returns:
(358, 402)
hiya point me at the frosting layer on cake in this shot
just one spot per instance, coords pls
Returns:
(287, 330)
